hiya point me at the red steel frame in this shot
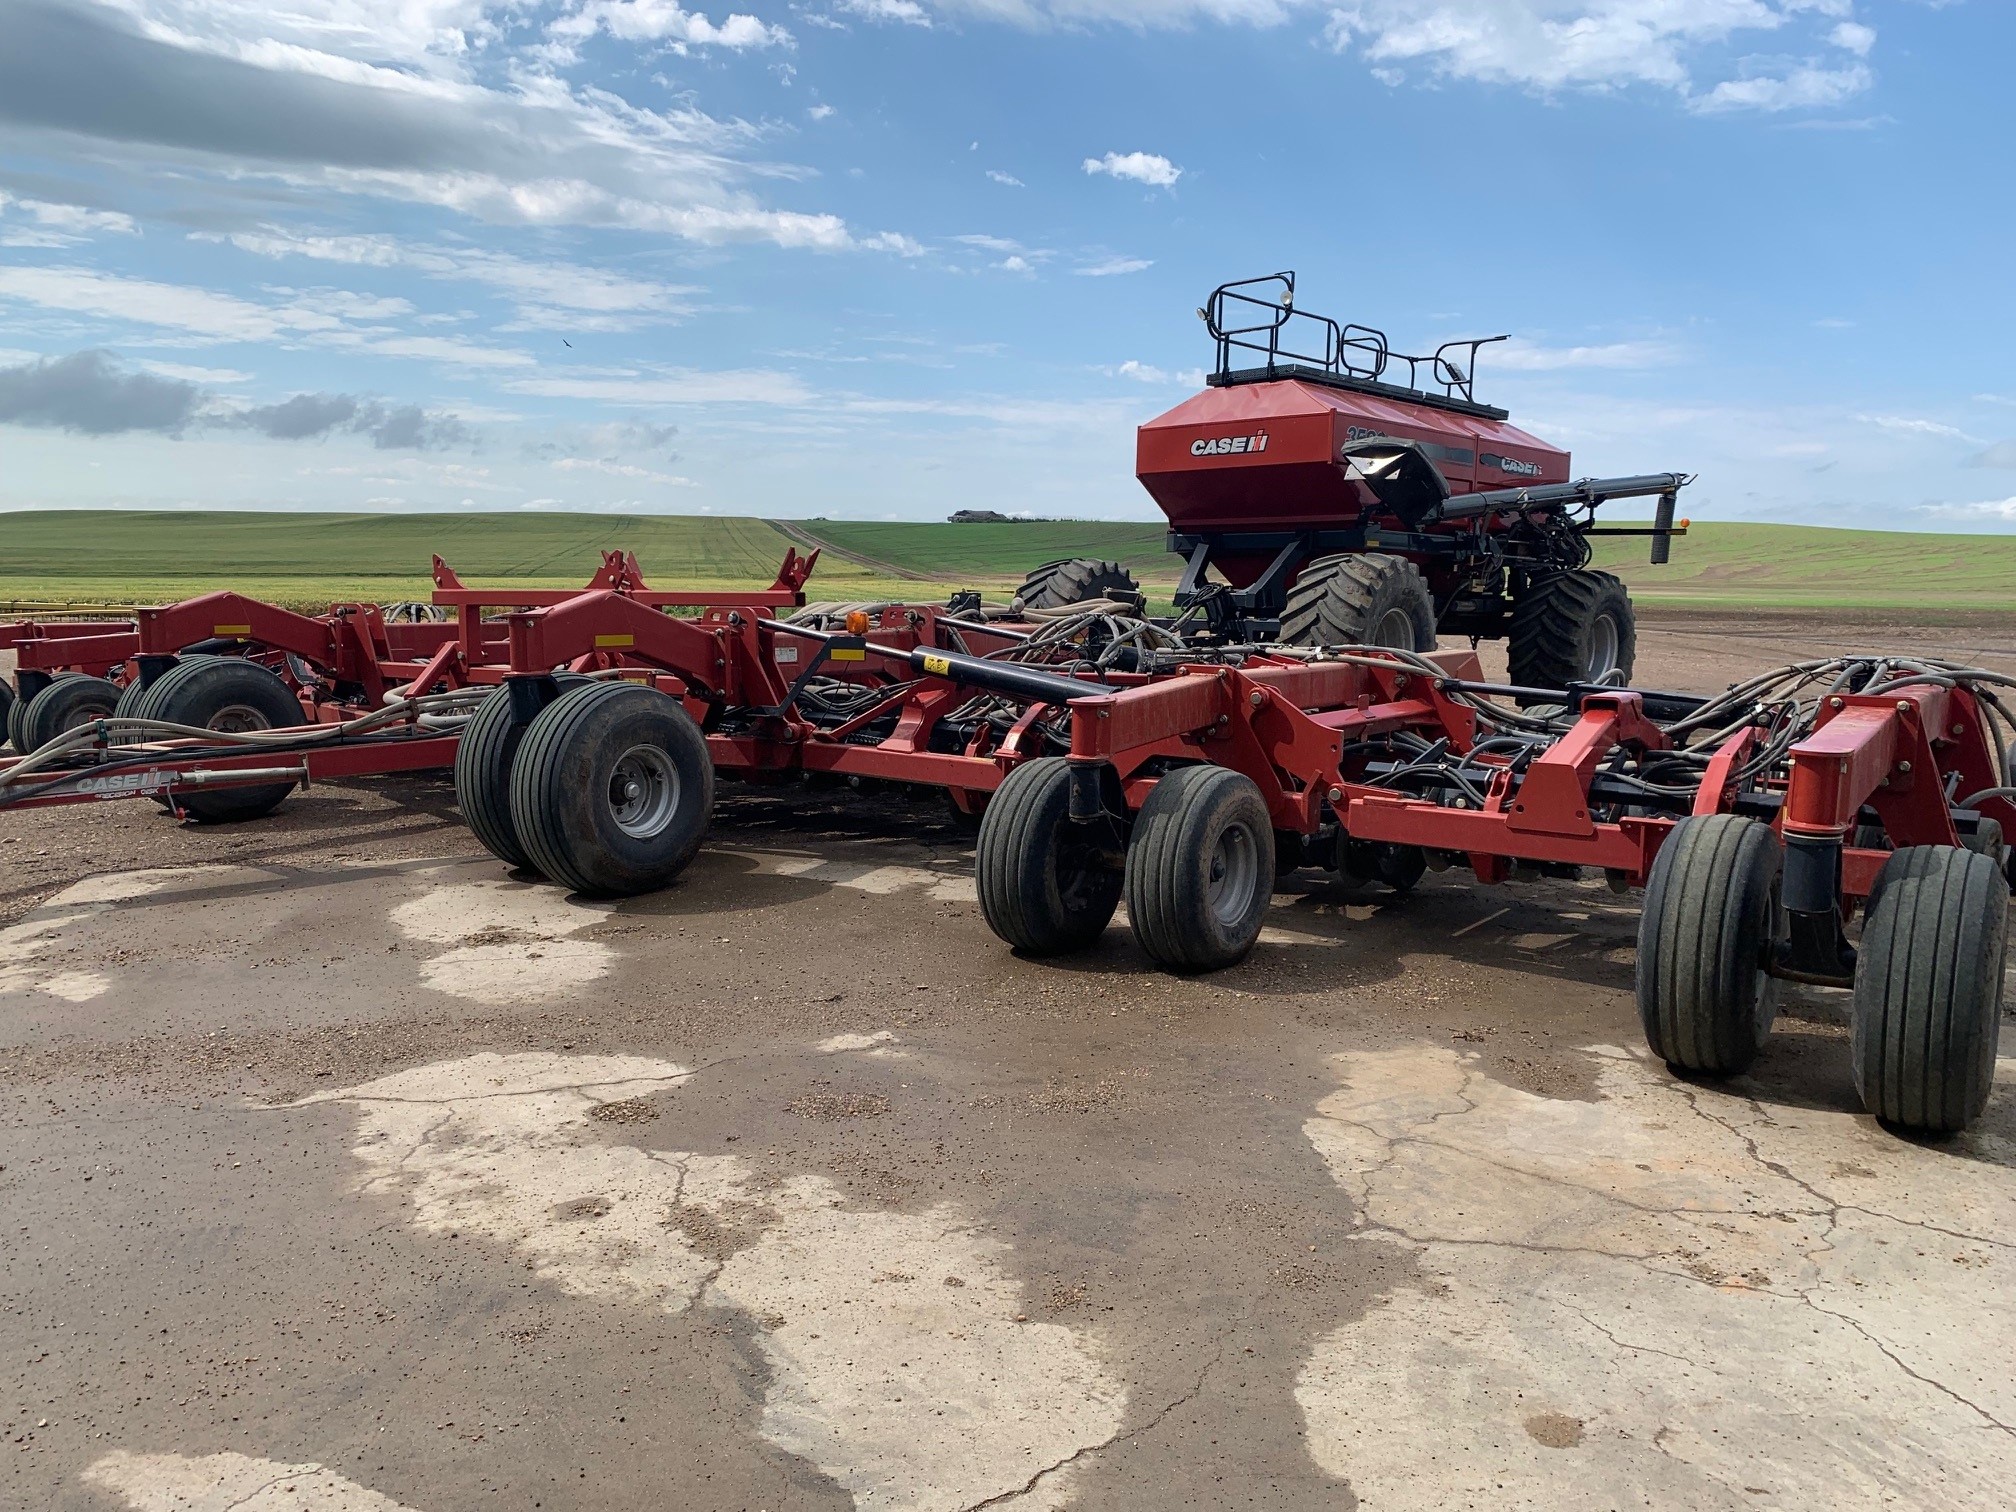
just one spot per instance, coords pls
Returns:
(1284, 722)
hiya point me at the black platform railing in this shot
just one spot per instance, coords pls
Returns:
(1265, 321)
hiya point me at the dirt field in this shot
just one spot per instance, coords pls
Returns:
(341, 1170)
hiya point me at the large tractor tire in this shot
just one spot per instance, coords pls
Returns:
(1077, 580)
(1200, 869)
(483, 760)
(1928, 988)
(612, 790)
(229, 695)
(68, 702)
(1705, 943)
(1572, 627)
(1043, 886)
(1360, 599)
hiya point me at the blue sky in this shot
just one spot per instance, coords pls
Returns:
(890, 258)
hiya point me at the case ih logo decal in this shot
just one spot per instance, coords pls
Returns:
(1511, 465)
(1226, 446)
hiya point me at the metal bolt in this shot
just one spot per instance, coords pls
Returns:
(1959, 729)
(1258, 698)
(1336, 793)
(1903, 766)
(1837, 703)
(1903, 706)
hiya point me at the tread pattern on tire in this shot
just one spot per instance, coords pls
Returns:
(537, 783)
(1076, 580)
(1338, 600)
(16, 711)
(483, 760)
(1161, 878)
(1928, 988)
(1699, 999)
(37, 723)
(1024, 908)
(223, 805)
(1551, 616)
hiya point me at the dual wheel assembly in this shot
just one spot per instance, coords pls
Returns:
(604, 788)
(1928, 984)
(226, 694)
(1197, 866)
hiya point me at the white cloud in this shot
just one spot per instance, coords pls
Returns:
(1529, 357)
(905, 12)
(189, 373)
(1145, 372)
(312, 99)
(1142, 167)
(1906, 425)
(1005, 178)
(665, 21)
(1998, 509)
(1854, 36)
(1551, 45)
(819, 112)
(1805, 88)
(540, 289)
(1114, 266)
(617, 469)
(320, 317)
(1015, 264)
(988, 243)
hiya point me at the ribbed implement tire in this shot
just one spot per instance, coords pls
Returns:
(483, 760)
(225, 693)
(69, 701)
(1041, 888)
(16, 710)
(565, 803)
(1709, 928)
(1179, 852)
(7, 702)
(1076, 580)
(1360, 599)
(1556, 634)
(1928, 988)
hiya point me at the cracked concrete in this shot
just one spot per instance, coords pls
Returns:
(1737, 1305)
(911, 1392)
(229, 1483)
(509, 941)
(697, 1221)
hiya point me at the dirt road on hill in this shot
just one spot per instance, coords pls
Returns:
(343, 1170)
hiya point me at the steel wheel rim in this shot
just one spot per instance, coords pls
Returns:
(1233, 874)
(1395, 630)
(643, 792)
(1602, 656)
(238, 719)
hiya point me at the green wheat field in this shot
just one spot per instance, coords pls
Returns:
(77, 557)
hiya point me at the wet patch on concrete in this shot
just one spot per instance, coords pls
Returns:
(1669, 1287)
(908, 1392)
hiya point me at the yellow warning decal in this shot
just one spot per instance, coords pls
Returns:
(230, 629)
(937, 665)
(613, 642)
(849, 653)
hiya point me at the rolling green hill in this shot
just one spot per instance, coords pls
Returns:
(89, 556)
